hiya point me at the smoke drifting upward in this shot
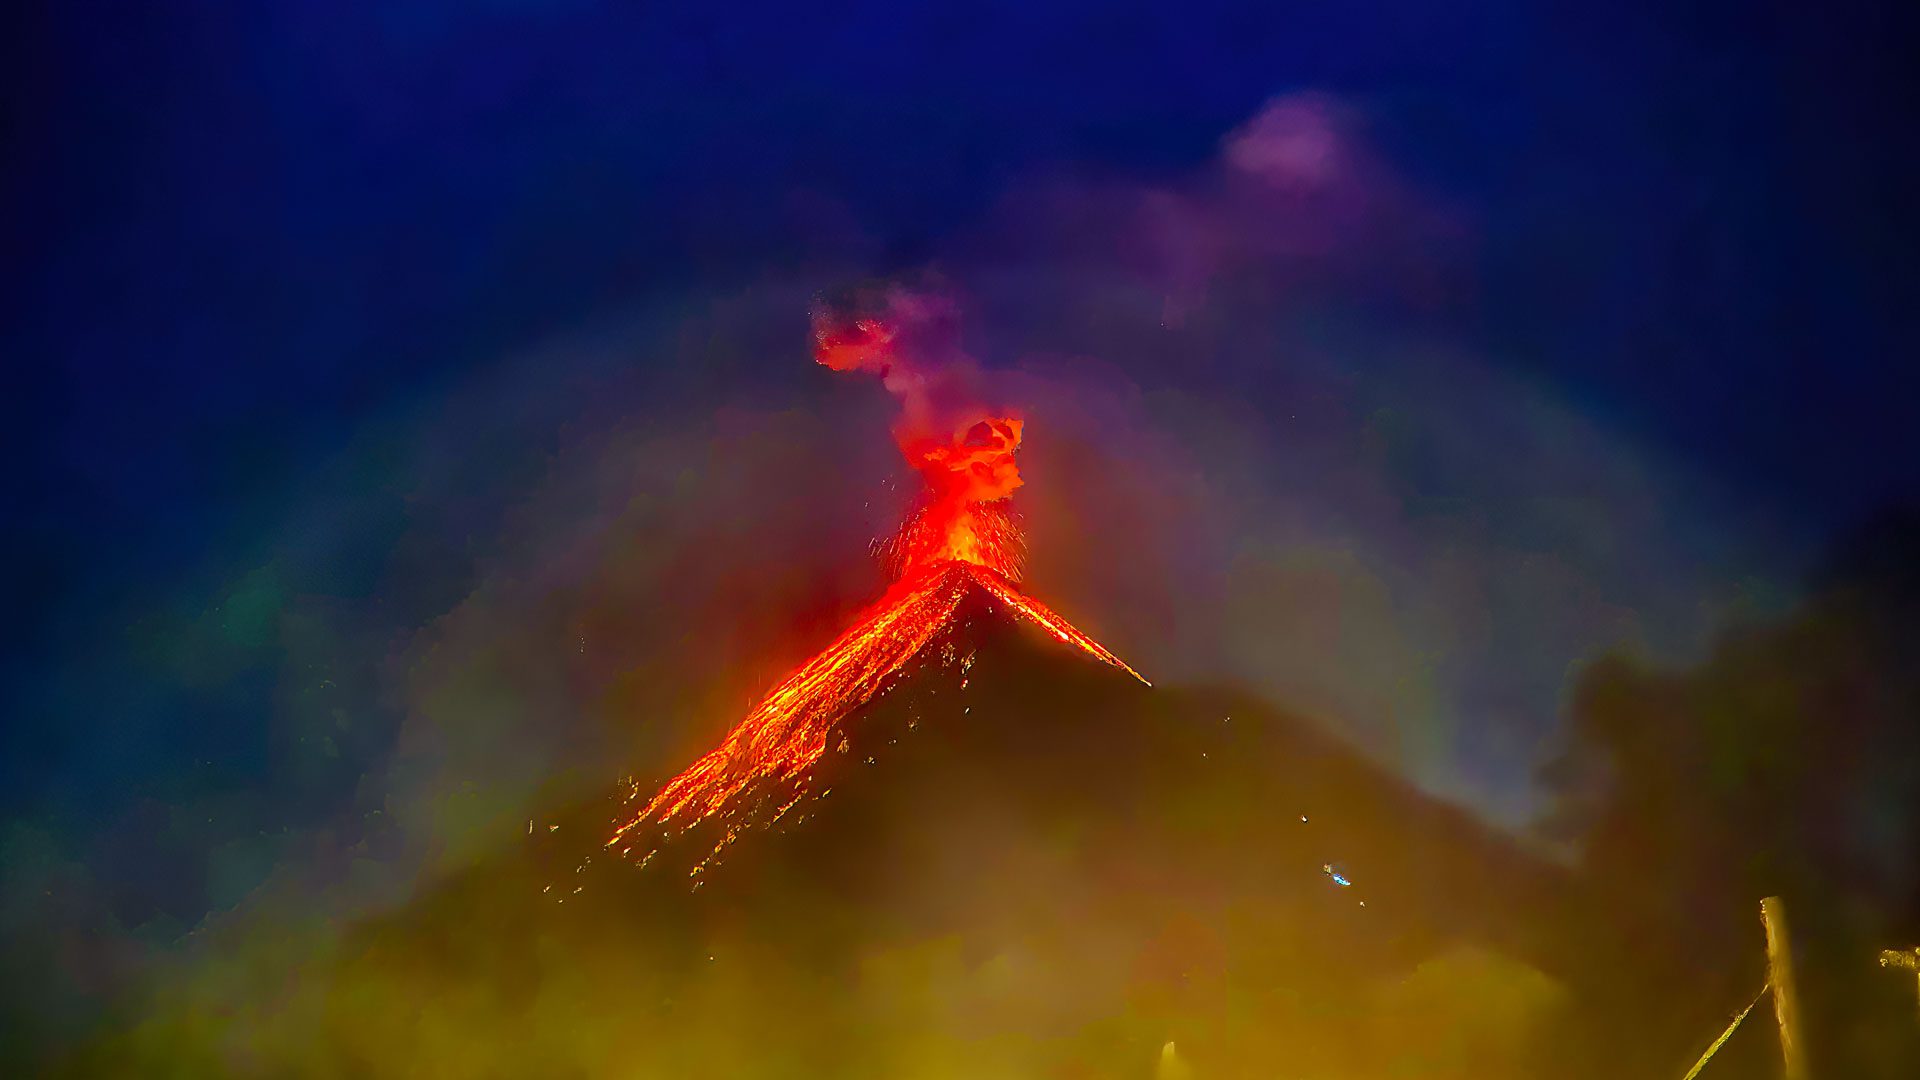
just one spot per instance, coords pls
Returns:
(962, 449)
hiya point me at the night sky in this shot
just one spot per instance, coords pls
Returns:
(343, 335)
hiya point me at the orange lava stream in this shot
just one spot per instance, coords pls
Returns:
(1046, 618)
(789, 730)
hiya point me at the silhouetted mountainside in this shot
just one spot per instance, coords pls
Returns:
(1019, 833)
(998, 737)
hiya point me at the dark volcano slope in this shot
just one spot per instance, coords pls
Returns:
(1002, 754)
(1019, 852)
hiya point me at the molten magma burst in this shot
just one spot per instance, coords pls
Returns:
(962, 539)
(980, 533)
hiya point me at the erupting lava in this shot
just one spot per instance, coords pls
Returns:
(961, 539)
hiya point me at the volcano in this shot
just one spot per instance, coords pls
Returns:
(958, 699)
(961, 546)
(978, 826)
(983, 845)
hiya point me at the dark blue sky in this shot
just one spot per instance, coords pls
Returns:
(239, 235)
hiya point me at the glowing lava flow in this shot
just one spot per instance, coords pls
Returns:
(962, 540)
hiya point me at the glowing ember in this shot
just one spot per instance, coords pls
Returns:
(979, 533)
(961, 539)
